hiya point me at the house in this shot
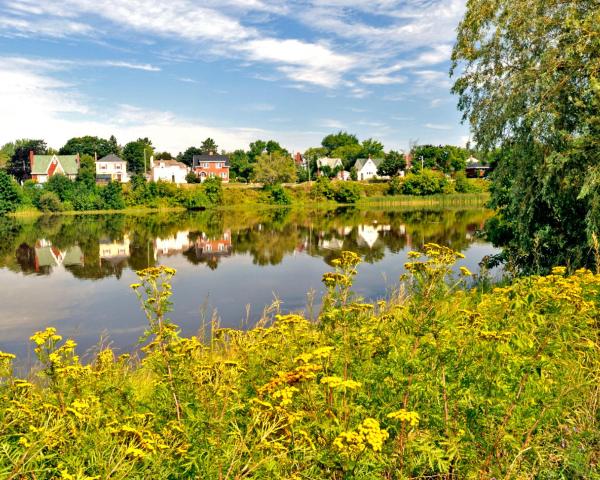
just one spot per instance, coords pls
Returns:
(299, 160)
(211, 165)
(366, 168)
(475, 169)
(114, 251)
(331, 163)
(111, 168)
(45, 166)
(173, 244)
(168, 171)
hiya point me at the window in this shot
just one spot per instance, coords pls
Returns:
(223, 175)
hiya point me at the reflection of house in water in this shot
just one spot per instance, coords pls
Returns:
(48, 255)
(209, 250)
(369, 234)
(177, 243)
(331, 244)
(113, 251)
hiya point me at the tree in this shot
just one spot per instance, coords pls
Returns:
(239, 165)
(393, 163)
(6, 153)
(112, 196)
(336, 140)
(527, 79)
(259, 147)
(89, 145)
(373, 148)
(163, 156)
(213, 188)
(137, 154)
(10, 196)
(447, 158)
(19, 165)
(187, 157)
(208, 146)
(191, 177)
(348, 153)
(274, 168)
(87, 170)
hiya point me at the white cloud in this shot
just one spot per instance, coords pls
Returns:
(438, 126)
(331, 123)
(120, 64)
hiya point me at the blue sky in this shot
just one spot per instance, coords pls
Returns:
(179, 71)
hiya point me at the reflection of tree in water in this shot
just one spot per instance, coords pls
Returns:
(267, 236)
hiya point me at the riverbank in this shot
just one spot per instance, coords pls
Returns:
(476, 384)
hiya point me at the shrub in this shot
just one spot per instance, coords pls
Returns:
(213, 187)
(49, 202)
(112, 196)
(191, 177)
(395, 186)
(427, 182)
(277, 195)
(347, 192)
(62, 185)
(323, 188)
(10, 195)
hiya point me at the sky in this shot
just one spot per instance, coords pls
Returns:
(178, 71)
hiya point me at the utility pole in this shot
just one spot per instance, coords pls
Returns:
(145, 161)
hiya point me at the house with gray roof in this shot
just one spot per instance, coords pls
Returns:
(45, 166)
(111, 168)
(366, 168)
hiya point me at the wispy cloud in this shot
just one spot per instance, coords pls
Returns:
(438, 126)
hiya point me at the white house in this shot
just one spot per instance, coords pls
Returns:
(332, 163)
(168, 171)
(111, 168)
(366, 168)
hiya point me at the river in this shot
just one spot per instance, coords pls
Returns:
(74, 272)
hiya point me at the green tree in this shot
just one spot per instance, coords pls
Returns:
(10, 195)
(112, 196)
(89, 145)
(209, 146)
(62, 186)
(49, 202)
(137, 154)
(239, 165)
(87, 170)
(187, 157)
(272, 168)
(259, 147)
(373, 148)
(213, 187)
(527, 79)
(163, 156)
(393, 163)
(19, 165)
(447, 158)
(6, 153)
(339, 139)
(348, 153)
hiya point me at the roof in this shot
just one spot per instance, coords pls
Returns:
(170, 163)
(197, 159)
(330, 162)
(41, 163)
(111, 157)
(360, 162)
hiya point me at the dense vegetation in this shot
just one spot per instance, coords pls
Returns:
(434, 381)
(528, 83)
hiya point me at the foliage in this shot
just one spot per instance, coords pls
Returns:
(437, 382)
(372, 148)
(163, 156)
(272, 168)
(323, 189)
(348, 154)
(90, 145)
(19, 165)
(277, 195)
(10, 196)
(213, 187)
(208, 146)
(337, 140)
(137, 155)
(112, 196)
(187, 157)
(191, 177)
(260, 147)
(427, 182)
(447, 158)
(49, 202)
(6, 152)
(239, 165)
(353, 174)
(463, 185)
(528, 84)
(393, 163)
(347, 192)
(87, 170)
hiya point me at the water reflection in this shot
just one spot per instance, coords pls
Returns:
(71, 251)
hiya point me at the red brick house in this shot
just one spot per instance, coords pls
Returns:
(211, 165)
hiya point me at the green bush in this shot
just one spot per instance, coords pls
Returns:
(191, 177)
(49, 202)
(395, 186)
(112, 196)
(323, 188)
(347, 192)
(277, 195)
(10, 195)
(427, 182)
(213, 186)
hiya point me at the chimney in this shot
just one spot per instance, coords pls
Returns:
(31, 157)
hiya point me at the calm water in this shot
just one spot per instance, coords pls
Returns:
(74, 272)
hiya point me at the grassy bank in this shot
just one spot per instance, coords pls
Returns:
(434, 382)
(444, 200)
